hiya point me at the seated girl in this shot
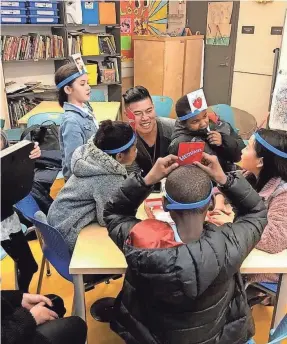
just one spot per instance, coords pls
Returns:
(98, 168)
(79, 123)
(265, 160)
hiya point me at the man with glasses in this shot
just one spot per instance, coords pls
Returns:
(154, 133)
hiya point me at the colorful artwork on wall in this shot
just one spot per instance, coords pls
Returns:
(140, 17)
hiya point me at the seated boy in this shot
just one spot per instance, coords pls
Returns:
(183, 285)
(195, 125)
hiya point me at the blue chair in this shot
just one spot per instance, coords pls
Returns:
(163, 105)
(225, 112)
(40, 118)
(97, 96)
(28, 207)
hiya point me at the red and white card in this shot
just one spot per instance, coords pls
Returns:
(189, 152)
(197, 101)
(131, 118)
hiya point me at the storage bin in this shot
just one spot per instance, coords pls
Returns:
(90, 12)
(13, 19)
(13, 11)
(14, 4)
(42, 12)
(90, 45)
(92, 70)
(43, 20)
(107, 13)
(43, 4)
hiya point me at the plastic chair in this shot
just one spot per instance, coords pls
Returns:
(97, 96)
(163, 105)
(40, 118)
(225, 112)
(28, 207)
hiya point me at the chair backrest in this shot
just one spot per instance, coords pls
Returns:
(97, 96)
(55, 248)
(225, 112)
(163, 105)
(45, 117)
(28, 207)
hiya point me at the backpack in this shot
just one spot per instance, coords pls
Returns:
(47, 135)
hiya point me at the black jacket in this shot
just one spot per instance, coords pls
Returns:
(190, 293)
(228, 153)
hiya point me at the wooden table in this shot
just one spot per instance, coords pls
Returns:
(96, 253)
(102, 110)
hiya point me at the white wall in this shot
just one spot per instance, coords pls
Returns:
(254, 56)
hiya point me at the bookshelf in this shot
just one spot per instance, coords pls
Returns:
(43, 69)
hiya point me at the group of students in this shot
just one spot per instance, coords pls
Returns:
(182, 283)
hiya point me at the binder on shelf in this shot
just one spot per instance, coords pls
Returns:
(107, 13)
(92, 70)
(90, 12)
(90, 44)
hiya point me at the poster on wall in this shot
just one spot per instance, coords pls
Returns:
(218, 27)
(140, 17)
(278, 112)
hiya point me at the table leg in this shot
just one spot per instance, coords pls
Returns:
(281, 302)
(79, 306)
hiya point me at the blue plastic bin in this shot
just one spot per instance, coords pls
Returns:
(13, 11)
(43, 4)
(13, 4)
(40, 12)
(90, 12)
(13, 19)
(43, 20)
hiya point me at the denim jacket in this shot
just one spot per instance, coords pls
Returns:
(77, 127)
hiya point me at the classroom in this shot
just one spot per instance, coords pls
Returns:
(143, 171)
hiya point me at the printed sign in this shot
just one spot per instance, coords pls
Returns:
(131, 118)
(189, 152)
(79, 63)
(197, 101)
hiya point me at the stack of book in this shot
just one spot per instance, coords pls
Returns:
(107, 45)
(18, 108)
(74, 43)
(31, 47)
(109, 70)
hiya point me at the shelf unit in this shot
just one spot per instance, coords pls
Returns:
(112, 91)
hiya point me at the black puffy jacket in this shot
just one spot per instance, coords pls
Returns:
(228, 153)
(191, 293)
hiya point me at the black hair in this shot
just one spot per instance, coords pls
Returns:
(273, 165)
(182, 107)
(135, 94)
(188, 184)
(113, 135)
(61, 74)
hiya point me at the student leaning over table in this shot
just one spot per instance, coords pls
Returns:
(182, 284)
(98, 168)
(267, 173)
(79, 123)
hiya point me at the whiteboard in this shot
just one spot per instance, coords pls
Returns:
(278, 112)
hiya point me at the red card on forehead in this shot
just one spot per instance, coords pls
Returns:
(189, 152)
(131, 118)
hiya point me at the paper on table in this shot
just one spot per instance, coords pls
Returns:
(278, 113)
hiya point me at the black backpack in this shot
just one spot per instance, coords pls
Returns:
(47, 134)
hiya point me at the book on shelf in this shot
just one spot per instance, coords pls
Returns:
(19, 107)
(107, 44)
(109, 70)
(31, 47)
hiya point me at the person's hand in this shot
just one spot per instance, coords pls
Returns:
(219, 218)
(161, 169)
(214, 138)
(36, 152)
(31, 300)
(221, 205)
(42, 314)
(212, 167)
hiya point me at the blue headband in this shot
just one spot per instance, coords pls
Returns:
(190, 115)
(123, 148)
(173, 205)
(269, 147)
(70, 78)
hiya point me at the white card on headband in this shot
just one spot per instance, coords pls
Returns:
(79, 63)
(197, 101)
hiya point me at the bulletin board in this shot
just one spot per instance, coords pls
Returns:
(140, 18)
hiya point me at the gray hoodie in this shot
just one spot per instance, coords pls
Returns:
(81, 201)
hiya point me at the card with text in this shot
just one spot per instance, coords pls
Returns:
(189, 152)
(131, 118)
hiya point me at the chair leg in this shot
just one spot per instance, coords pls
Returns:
(39, 286)
(16, 276)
